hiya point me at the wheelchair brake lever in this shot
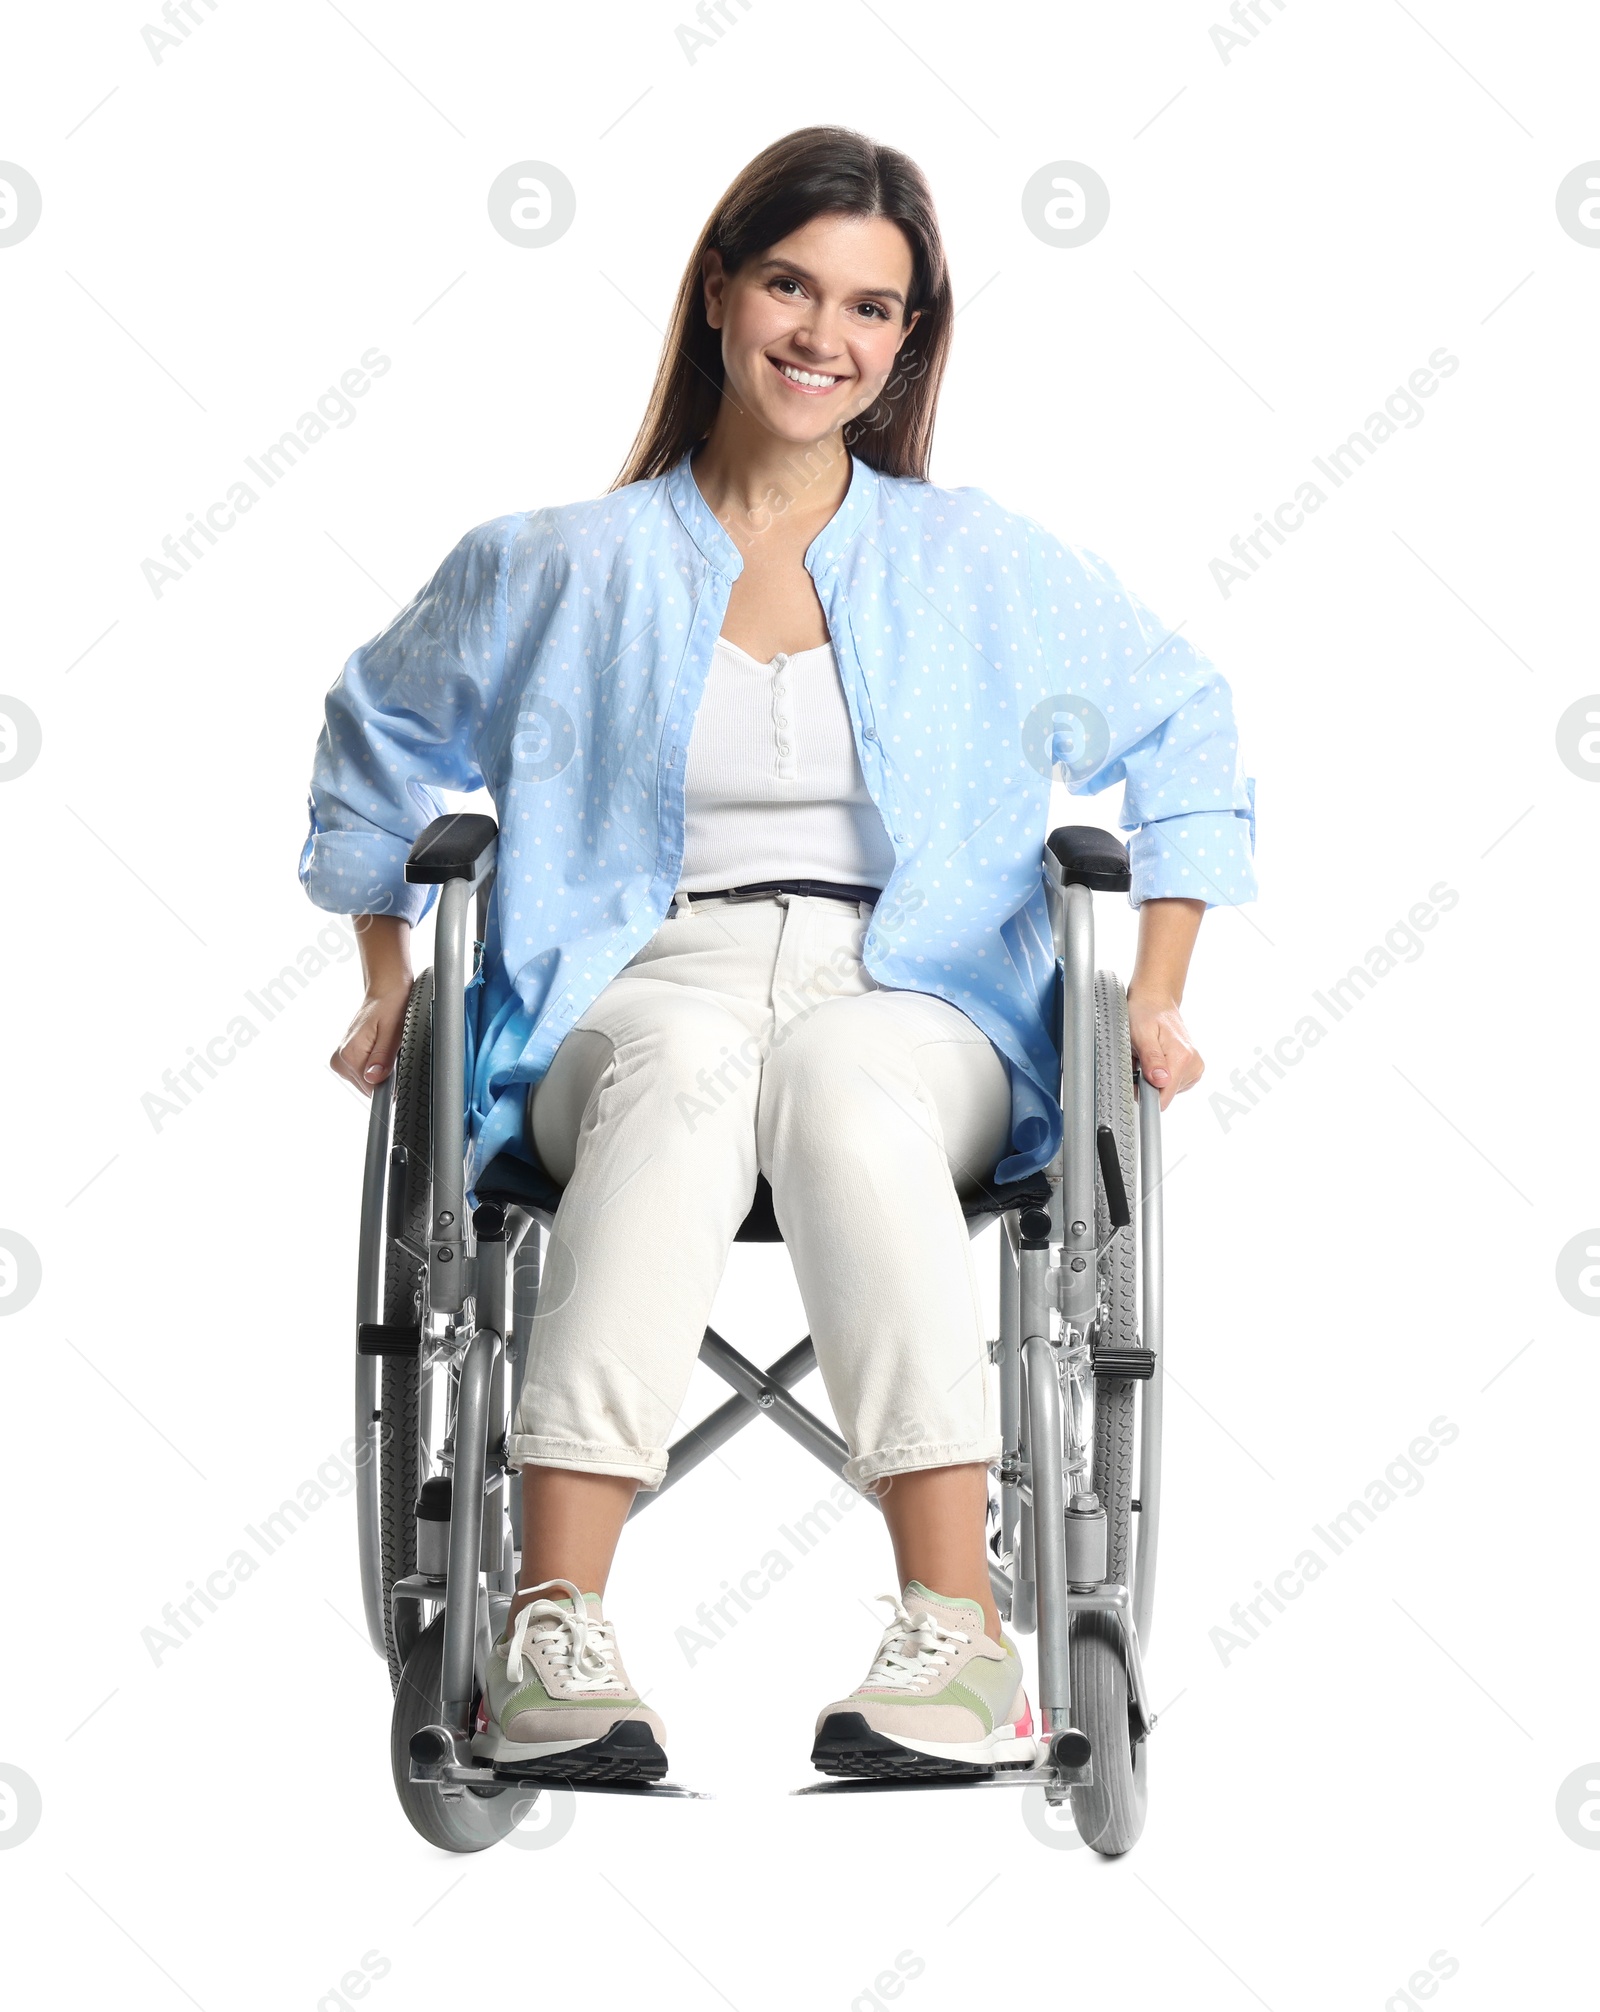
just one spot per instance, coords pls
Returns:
(1111, 1176)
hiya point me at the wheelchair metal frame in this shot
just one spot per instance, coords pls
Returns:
(1048, 1259)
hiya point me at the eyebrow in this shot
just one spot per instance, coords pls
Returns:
(768, 265)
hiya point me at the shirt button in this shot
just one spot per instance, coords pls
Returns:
(783, 719)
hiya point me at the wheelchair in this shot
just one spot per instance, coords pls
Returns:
(446, 1300)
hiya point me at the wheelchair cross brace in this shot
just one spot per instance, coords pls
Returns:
(759, 1391)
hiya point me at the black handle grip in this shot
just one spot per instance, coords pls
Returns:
(1111, 1176)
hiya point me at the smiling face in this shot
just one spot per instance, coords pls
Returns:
(810, 328)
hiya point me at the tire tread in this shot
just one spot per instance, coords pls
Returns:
(400, 1452)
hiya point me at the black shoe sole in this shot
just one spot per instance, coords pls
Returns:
(847, 1745)
(627, 1753)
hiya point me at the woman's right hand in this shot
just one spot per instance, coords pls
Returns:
(366, 1054)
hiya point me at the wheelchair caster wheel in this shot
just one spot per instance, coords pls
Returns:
(1110, 1811)
(470, 1821)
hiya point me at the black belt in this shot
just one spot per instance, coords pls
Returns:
(754, 889)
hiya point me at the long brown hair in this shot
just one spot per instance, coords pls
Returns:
(817, 171)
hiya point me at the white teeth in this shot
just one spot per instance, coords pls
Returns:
(805, 376)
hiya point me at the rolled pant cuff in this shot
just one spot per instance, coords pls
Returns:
(866, 1468)
(532, 1449)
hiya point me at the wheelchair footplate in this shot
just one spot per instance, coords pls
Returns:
(1072, 1766)
(1057, 1783)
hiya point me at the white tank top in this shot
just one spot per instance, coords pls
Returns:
(773, 788)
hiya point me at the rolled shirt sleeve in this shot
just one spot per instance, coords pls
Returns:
(1149, 710)
(404, 719)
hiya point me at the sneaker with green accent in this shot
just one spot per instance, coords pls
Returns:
(559, 1704)
(941, 1698)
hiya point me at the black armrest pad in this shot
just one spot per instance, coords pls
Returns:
(451, 848)
(1092, 858)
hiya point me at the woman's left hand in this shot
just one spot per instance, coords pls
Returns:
(1168, 1059)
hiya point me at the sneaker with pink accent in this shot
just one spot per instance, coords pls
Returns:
(558, 1703)
(941, 1698)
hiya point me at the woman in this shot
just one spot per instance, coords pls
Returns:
(771, 728)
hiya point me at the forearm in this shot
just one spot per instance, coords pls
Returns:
(385, 944)
(1168, 926)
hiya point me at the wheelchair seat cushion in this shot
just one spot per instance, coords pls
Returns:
(519, 1183)
(516, 1182)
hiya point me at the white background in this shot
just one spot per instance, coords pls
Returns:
(1374, 1246)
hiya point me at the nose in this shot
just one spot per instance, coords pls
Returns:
(813, 338)
(811, 318)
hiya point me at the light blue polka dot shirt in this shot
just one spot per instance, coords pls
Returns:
(558, 656)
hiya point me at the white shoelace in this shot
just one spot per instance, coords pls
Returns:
(911, 1650)
(581, 1648)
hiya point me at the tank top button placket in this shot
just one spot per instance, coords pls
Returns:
(780, 716)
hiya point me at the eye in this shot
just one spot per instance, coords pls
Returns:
(875, 307)
(788, 279)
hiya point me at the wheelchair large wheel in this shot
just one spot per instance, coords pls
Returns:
(1110, 1812)
(409, 1200)
(469, 1822)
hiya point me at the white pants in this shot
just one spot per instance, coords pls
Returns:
(748, 1036)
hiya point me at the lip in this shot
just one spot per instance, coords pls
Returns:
(806, 390)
